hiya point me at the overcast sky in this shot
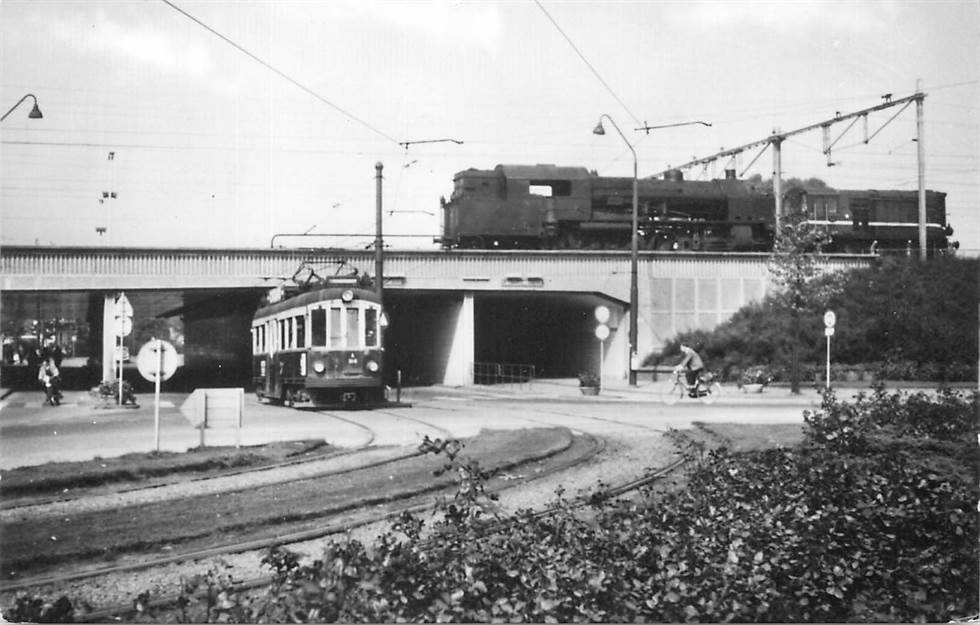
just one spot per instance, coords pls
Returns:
(212, 147)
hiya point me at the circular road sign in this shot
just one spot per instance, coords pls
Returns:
(829, 318)
(156, 356)
(602, 332)
(123, 326)
(601, 314)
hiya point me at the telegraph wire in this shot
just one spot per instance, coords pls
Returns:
(584, 60)
(280, 73)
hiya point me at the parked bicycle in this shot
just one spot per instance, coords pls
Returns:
(706, 388)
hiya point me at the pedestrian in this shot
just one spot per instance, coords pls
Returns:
(50, 378)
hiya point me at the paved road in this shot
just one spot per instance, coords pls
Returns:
(31, 433)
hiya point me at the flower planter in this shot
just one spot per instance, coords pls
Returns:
(753, 388)
(589, 390)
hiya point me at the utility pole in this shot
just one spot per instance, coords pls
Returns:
(378, 240)
(777, 177)
(919, 125)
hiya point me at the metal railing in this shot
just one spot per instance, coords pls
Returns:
(503, 373)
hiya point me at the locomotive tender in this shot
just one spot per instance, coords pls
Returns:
(322, 347)
(552, 207)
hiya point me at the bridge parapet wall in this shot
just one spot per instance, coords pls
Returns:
(80, 268)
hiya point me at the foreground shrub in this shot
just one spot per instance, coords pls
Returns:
(867, 521)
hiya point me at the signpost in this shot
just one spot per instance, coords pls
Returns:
(157, 360)
(829, 320)
(123, 325)
(601, 333)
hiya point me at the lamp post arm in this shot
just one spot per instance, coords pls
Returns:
(29, 95)
(649, 128)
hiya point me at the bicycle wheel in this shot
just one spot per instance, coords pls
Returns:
(674, 393)
(714, 392)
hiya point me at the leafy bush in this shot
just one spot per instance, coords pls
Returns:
(846, 528)
(913, 320)
(866, 522)
(756, 375)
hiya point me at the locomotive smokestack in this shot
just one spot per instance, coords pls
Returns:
(730, 174)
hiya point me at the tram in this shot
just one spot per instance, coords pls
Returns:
(320, 348)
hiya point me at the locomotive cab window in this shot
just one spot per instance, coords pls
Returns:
(550, 188)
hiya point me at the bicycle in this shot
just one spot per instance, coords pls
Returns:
(707, 388)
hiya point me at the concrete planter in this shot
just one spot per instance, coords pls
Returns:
(589, 390)
(753, 388)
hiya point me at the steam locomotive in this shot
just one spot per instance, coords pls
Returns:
(552, 207)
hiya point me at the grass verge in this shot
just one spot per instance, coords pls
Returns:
(139, 467)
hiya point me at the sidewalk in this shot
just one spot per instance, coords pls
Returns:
(567, 389)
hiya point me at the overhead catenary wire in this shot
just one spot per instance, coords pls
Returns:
(280, 73)
(586, 61)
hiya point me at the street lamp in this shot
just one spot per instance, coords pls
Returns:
(634, 251)
(35, 112)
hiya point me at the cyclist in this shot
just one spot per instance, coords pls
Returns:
(692, 361)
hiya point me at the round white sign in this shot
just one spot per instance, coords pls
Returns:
(602, 332)
(829, 318)
(601, 314)
(157, 356)
(123, 326)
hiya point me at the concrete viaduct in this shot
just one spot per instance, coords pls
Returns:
(447, 310)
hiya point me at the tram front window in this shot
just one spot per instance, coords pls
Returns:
(354, 337)
(318, 327)
(371, 327)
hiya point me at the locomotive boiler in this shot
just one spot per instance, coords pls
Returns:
(552, 207)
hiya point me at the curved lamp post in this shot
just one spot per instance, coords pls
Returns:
(35, 112)
(634, 251)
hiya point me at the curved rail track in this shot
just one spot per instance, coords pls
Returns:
(618, 490)
(408, 499)
(340, 525)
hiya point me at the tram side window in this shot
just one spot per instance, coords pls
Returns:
(299, 323)
(336, 327)
(290, 337)
(371, 327)
(318, 327)
(282, 334)
(354, 337)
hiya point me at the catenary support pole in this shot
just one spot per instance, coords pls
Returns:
(777, 178)
(919, 125)
(378, 240)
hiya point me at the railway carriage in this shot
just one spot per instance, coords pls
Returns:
(320, 348)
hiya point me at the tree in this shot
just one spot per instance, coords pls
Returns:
(795, 272)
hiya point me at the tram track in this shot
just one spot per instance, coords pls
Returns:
(344, 519)
(613, 491)
(29, 505)
(350, 520)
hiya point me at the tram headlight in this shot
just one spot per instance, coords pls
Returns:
(319, 366)
(372, 366)
(302, 365)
